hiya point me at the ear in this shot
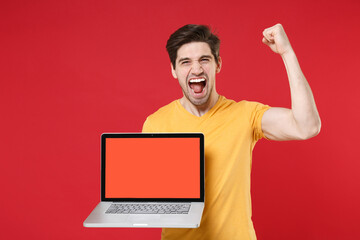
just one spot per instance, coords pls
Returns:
(218, 68)
(173, 71)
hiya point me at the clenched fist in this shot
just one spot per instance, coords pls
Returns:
(275, 37)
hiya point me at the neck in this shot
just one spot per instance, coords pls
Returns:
(199, 110)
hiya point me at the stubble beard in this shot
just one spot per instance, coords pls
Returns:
(198, 102)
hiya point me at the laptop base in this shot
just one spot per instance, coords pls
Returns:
(98, 218)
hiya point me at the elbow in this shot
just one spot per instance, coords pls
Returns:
(314, 131)
(311, 131)
(317, 127)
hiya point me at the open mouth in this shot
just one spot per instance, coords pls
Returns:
(197, 85)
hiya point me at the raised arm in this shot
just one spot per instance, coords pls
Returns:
(302, 121)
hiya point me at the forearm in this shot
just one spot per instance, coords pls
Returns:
(303, 105)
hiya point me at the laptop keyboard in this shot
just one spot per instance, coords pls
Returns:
(145, 208)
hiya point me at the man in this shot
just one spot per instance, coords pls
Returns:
(231, 129)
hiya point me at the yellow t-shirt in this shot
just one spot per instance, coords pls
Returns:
(231, 130)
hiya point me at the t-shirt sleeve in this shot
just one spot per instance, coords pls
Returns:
(256, 117)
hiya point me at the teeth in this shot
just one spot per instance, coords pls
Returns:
(197, 80)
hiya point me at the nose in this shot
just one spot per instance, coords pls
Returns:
(196, 68)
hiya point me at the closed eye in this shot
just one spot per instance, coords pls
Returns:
(205, 60)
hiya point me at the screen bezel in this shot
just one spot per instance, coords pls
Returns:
(104, 136)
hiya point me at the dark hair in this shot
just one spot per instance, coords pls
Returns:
(192, 33)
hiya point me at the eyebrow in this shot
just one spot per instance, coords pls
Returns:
(187, 58)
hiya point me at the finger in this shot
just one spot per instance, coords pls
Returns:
(265, 35)
(268, 35)
(266, 42)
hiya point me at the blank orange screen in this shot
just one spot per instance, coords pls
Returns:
(152, 168)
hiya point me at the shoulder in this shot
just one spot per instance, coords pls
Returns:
(243, 105)
(254, 110)
(251, 105)
(156, 119)
(163, 111)
(243, 112)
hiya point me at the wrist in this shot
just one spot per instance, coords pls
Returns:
(288, 54)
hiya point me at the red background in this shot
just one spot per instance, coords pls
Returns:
(71, 70)
(152, 168)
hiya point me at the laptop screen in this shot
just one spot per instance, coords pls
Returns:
(152, 166)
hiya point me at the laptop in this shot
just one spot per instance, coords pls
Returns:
(150, 180)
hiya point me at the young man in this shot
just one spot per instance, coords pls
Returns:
(231, 129)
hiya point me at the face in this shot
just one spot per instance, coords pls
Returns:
(195, 70)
